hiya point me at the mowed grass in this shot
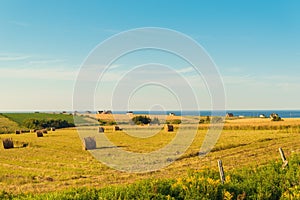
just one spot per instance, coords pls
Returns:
(58, 162)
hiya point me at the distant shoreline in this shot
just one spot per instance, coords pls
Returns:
(236, 113)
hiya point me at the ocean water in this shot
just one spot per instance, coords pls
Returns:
(245, 113)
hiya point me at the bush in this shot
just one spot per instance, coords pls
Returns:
(140, 120)
(107, 122)
(201, 121)
(46, 123)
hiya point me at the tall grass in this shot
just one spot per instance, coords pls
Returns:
(266, 182)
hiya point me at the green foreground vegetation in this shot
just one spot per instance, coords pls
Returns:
(56, 166)
(266, 182)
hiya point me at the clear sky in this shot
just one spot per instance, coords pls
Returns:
(255, 44)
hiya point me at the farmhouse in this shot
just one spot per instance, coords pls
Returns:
(229, 115)
(262, 116)
(129, 113)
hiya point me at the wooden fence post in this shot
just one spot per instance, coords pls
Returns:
(285, 162)
(221, 170)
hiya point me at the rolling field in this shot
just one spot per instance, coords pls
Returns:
(7, 126)
(57, 161)
(18, 118)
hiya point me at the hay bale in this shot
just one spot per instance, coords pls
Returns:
(32, 130)
(39, 134)
(18, 132)
(44, 131)
(117, 128)
(89, 143)
(52, 129)
(101, 130)
(8, 143)
(169, 128)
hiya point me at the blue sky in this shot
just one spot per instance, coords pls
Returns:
(255, 44)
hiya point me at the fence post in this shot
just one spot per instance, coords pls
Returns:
(285, 162)
(221, 170)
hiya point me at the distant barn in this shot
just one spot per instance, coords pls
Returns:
(229, 115)
(172, 114)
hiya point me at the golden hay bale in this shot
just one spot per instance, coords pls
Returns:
(18, 132)
(169, 128)
(32, 131)
(101, 130)
(52, 128)
(44, 131)
(89, 143)
(8, 143)
(39, 134)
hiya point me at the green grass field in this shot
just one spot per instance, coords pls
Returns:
(15, 120)
(56, 165)
(21, 117)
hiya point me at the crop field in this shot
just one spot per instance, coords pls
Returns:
(58, 163)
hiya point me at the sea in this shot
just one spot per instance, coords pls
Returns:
(238, 113)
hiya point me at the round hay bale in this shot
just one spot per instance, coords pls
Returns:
(89, 143)
(101, 130)
(52, 128)
(44, 131)
(39, 134)
(18, 132)
(8, 143)
(117, 128)
(169, 128)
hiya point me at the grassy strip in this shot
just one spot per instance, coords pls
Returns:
(20, 118)
(266, 182)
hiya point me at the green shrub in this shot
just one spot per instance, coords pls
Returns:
(46, 123)
(140, 120)
(201, 121)
(107, 122)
